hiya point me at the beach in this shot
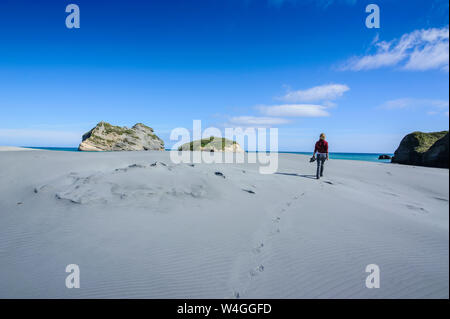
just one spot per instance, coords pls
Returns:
(139, 226)
(14, 148)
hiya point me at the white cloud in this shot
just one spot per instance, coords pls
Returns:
(326, 92)
(420, 50)
(412, 103)
(277, 114)
(434, 106)
(430, 57)
(255, 121)
(295, 110)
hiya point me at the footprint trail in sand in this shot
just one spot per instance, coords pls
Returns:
(254, 258)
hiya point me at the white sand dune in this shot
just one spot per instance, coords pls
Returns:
(139, 230)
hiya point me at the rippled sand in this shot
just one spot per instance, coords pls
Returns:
(140, 226)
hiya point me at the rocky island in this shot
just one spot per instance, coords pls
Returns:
(212, 144)
(107, 137)
(424, 149)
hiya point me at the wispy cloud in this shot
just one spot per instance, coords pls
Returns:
(255, 121)
(419, 50)
(434, 106)
(326, 92)
(295, 110)
(278, 114)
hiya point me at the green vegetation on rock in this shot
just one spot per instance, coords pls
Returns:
(112, 129)
(426, 140)
(424, 149)
(212, 143)
(144, 126)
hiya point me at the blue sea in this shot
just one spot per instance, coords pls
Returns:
(67, 149)
(367, 157)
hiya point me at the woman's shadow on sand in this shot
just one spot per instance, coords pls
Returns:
(295, 174)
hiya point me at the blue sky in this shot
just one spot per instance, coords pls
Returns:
(303, 66)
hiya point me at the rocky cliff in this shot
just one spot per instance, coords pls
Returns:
(438, 154)
(424, 149)
(212, 144)
(107, 137)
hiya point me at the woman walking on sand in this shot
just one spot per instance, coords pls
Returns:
(321, 149)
